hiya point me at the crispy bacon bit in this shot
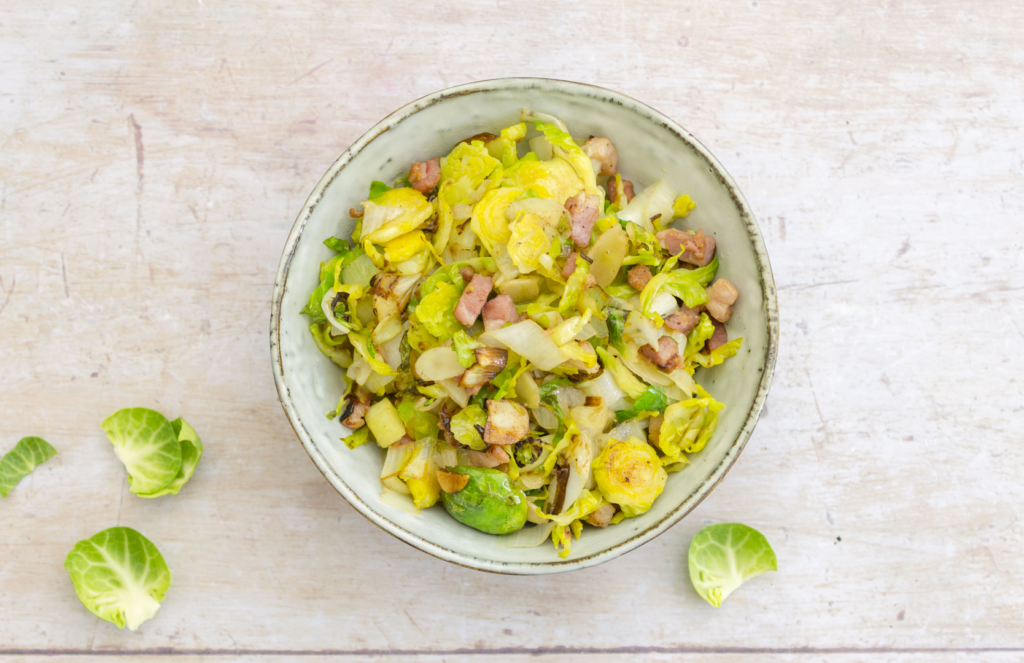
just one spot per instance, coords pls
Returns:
(721, 296)
(507, 422)
(424, 176)
(473, 299)
(602, 516)
(570, 266)
(602, 150)
(498, 312)
(718, 339)
(584, 209)
(613, 193)
(683, 320)
(355, 213)
(664, 356)
(638, 276)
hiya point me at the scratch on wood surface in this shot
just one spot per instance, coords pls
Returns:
(14, 282)
(64, 272)
(140, 159)
(310, 71)
(140, 152)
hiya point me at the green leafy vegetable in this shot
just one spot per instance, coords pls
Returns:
(336, 244)
(724, 556)
(357, 439)
(616, 323)
(160, 455)
(377, 188)
(464, 427)
(26, 456)
(686, 284)
(652, 401)
(120, 576)
(464, 345)
(574, 286)
(719, 354)
(436, 311)
(419, 424)
(699, 335)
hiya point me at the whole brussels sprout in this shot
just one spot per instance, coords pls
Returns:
(629, 473)
(488, 502)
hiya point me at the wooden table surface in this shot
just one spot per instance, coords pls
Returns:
(155, 154)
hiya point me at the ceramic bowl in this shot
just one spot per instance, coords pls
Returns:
(651, 146)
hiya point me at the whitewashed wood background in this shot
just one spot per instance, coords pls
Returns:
(155, 154)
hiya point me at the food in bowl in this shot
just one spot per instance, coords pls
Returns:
(519, 332)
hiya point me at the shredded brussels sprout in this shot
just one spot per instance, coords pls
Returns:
(558, 391)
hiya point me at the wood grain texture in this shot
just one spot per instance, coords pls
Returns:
(154, 156)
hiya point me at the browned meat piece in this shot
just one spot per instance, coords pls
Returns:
(473, 299)
(718, 339)
(683, 320)
(664, 356)
(507, 422)
(602, 517)
(499, 311)
(570, 266)
(584, 209)
(424, 176)
(709, 253)
(677, 241)
(721, 296)
(355, 213)
(613, 193)
(466, 273)
(638, 276)
(604, 152)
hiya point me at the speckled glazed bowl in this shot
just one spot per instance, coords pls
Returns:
(651, 146)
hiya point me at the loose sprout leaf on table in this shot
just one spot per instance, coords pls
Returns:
(160, 455)
(17, 463)
(119, 575)
(724, 556)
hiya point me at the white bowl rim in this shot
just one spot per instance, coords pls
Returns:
(655, 529)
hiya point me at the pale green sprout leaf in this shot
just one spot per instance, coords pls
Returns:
(26, 456)
(120, 576)
(722, 557)
(191, 452)
(146, 444)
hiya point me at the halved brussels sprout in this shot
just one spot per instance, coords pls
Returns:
(628, 473)
(488, 502)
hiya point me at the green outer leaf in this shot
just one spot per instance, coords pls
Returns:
(652, 401)
(377, 188)
(463, 426)
(27, 455)
(191, 452)
(119, 575)
(724, 556)
(146, 445)
(616, 323)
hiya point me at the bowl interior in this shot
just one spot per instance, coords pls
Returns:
(650, 148)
